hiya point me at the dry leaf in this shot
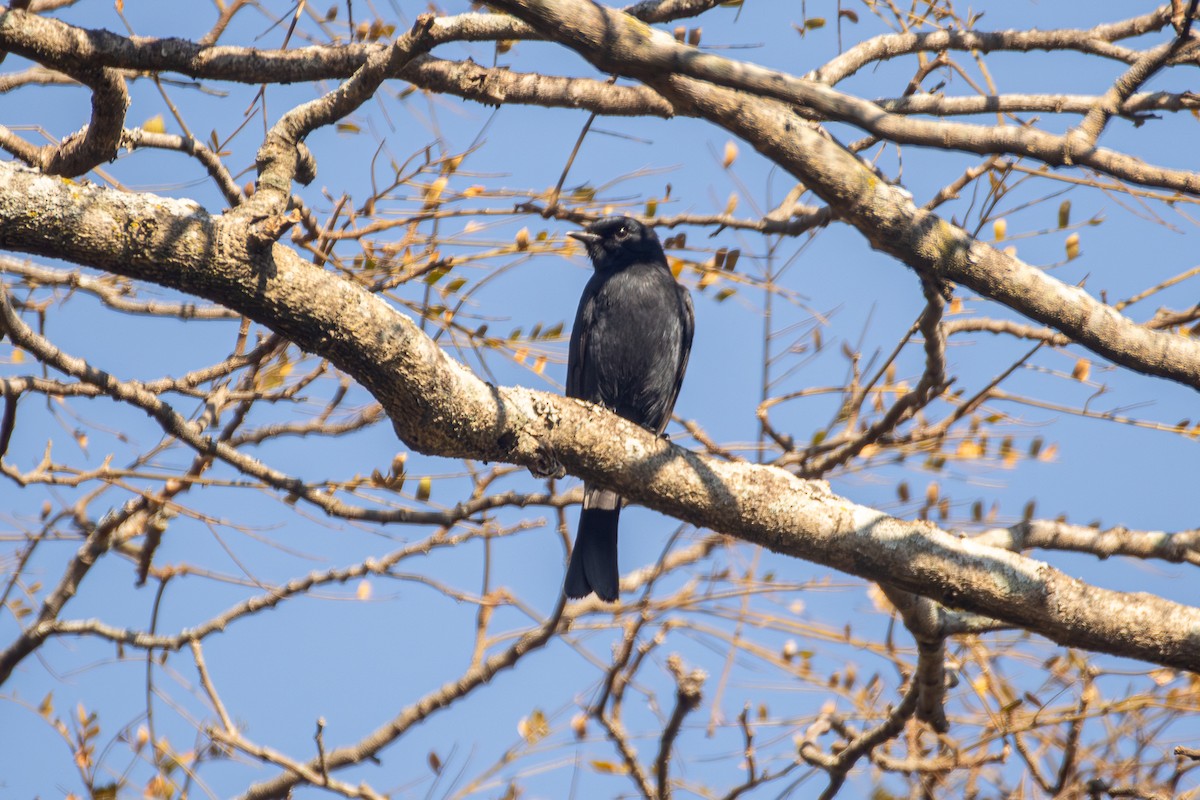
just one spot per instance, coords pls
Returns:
(969, 449)
(731, 154)
(434, 192)
(155, 124)
(1073, 247)
(579, 725)
(534, 727)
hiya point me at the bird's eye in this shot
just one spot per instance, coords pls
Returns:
(624, 232)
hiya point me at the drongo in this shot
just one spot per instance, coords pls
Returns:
(629, 348)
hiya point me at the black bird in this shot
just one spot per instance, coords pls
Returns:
(629, 348)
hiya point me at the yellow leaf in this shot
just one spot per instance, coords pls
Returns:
(969, 449)
(272, 377)
(1073, 247)
(1083, 368)
(435, 191)
(155, 124)
(608, 767)
(999, 229)
(579, 725)
(709, 277)
(523, 239)
(424, 488)
(363, 592)
(1049, 454)
(731, 154)
(931, 493)
(956, 306)
(1064, 214)
(534, 727)
(539, 365)
(18, 355)
(651, 207)
(474, 191)
(676, 266)
(46, 707)
(731, 203)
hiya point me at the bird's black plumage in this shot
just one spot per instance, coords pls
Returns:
(629, 349)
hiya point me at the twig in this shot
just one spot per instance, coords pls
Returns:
(210, 689)
(687, 699)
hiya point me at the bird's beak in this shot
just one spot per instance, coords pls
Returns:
(586, 237)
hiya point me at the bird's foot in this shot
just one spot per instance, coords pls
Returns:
(546, 464)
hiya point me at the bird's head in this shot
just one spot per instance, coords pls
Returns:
(614, 243)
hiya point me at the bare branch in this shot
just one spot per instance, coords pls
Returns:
(687, 698)
(1044, 534)
(1096, 41)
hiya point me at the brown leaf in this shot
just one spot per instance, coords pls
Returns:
(1083, 368)
(534, 727)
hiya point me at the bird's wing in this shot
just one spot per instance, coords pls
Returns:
(576, 352)
(685, 350)
(689, 328)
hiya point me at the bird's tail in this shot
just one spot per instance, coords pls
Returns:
(593, 566)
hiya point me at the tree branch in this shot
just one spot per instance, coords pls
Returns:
(437, 406)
